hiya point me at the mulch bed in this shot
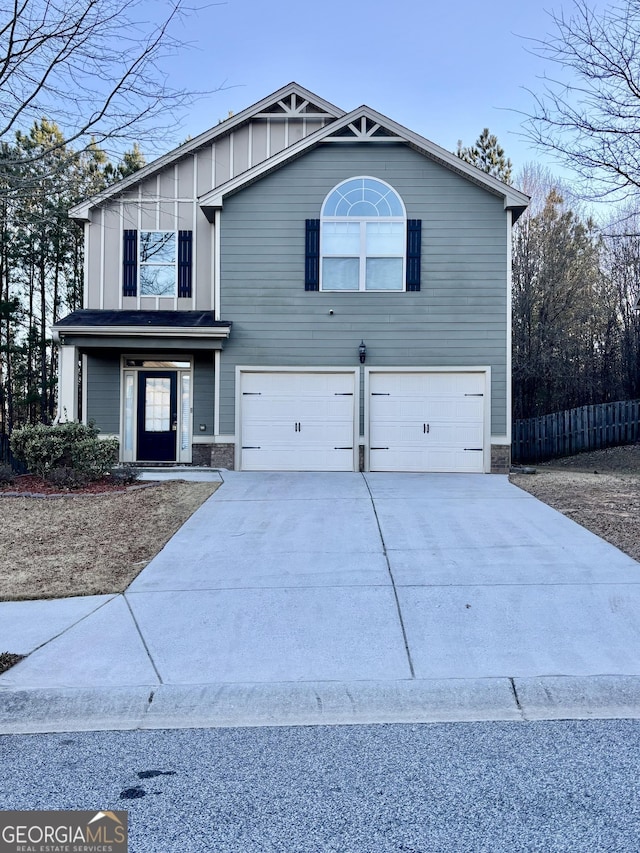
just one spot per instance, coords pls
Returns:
(30, 485)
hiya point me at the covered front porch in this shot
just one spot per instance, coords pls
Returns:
(145, 377)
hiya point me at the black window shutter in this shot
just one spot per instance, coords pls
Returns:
(130, 263)
(312, 255)
(185, 253)
(414, 246)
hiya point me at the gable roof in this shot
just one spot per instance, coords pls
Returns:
(366, 125)
(308, 105)
(360, 125)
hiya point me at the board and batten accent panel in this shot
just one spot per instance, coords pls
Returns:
(458, 318)
(104, 262)
(103, 392)
(168, 201)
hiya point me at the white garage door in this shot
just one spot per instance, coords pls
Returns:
(426, 422)
(297, 421)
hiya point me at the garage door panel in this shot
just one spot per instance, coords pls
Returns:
(426, 421)
(417, 459)
(296, 459)
(296, 421)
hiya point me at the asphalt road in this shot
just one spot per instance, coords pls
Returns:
(541, 786)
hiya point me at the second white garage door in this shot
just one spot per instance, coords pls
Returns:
(296, 421)
(426, 421)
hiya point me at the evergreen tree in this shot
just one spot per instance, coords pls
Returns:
(41, 258)
(488, 155)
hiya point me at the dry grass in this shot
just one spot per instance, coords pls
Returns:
(599, 490)
(88, 544)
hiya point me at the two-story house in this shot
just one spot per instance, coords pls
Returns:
(298, 288)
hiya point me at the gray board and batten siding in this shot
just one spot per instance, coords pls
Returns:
(459, 317)
(169, 201)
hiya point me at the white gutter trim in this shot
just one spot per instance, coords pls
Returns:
(157, 331)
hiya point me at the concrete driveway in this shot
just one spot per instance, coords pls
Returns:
(302, 598)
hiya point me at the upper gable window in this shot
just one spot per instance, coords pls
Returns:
(158, 263)
(363, 237)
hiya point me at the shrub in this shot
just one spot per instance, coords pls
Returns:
(7, 475)
(66, 478)
(66, 445)
(125, 474)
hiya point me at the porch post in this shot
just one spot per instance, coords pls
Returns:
(67, 383)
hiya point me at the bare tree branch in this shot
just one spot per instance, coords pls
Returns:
(95, 66)
(589, 115)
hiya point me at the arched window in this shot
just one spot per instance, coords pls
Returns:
(363, 237)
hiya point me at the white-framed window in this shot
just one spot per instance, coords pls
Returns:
(158, 263)
(363, 237)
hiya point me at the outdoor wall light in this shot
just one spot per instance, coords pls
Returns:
(203, 427)
(362, 352)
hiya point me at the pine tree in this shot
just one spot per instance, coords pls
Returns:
(488, 155)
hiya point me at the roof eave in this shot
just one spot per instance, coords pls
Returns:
(218, 332)
(513, 199)
(80, 212)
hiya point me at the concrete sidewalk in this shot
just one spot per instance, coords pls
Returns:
(341, 598)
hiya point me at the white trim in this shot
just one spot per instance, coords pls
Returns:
(217, 332)
(509, 342)
(140, 264)
(240, 369)
(120, 257)
(224, 439)
(500, 440)
(139, 223)
(512, 197)
(486, 370)
(198, 438)
(157, 202)
(224, 128)
(217, 307)
(194, 237)
(85, 264)
(84, 388)
(216, 391)
(102, 257)
(184, 457)
(67, 384)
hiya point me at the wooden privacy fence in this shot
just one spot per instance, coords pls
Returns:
(575, 430)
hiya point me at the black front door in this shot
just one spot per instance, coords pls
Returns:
(157, 416)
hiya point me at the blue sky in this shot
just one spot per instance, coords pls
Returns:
(444, 69)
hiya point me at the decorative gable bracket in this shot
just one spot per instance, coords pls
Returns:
(364, 129)
(295, 106)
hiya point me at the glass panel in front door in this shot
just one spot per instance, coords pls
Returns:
(157, 404)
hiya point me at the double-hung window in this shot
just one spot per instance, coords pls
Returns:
(363, 237)
(158, 263)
